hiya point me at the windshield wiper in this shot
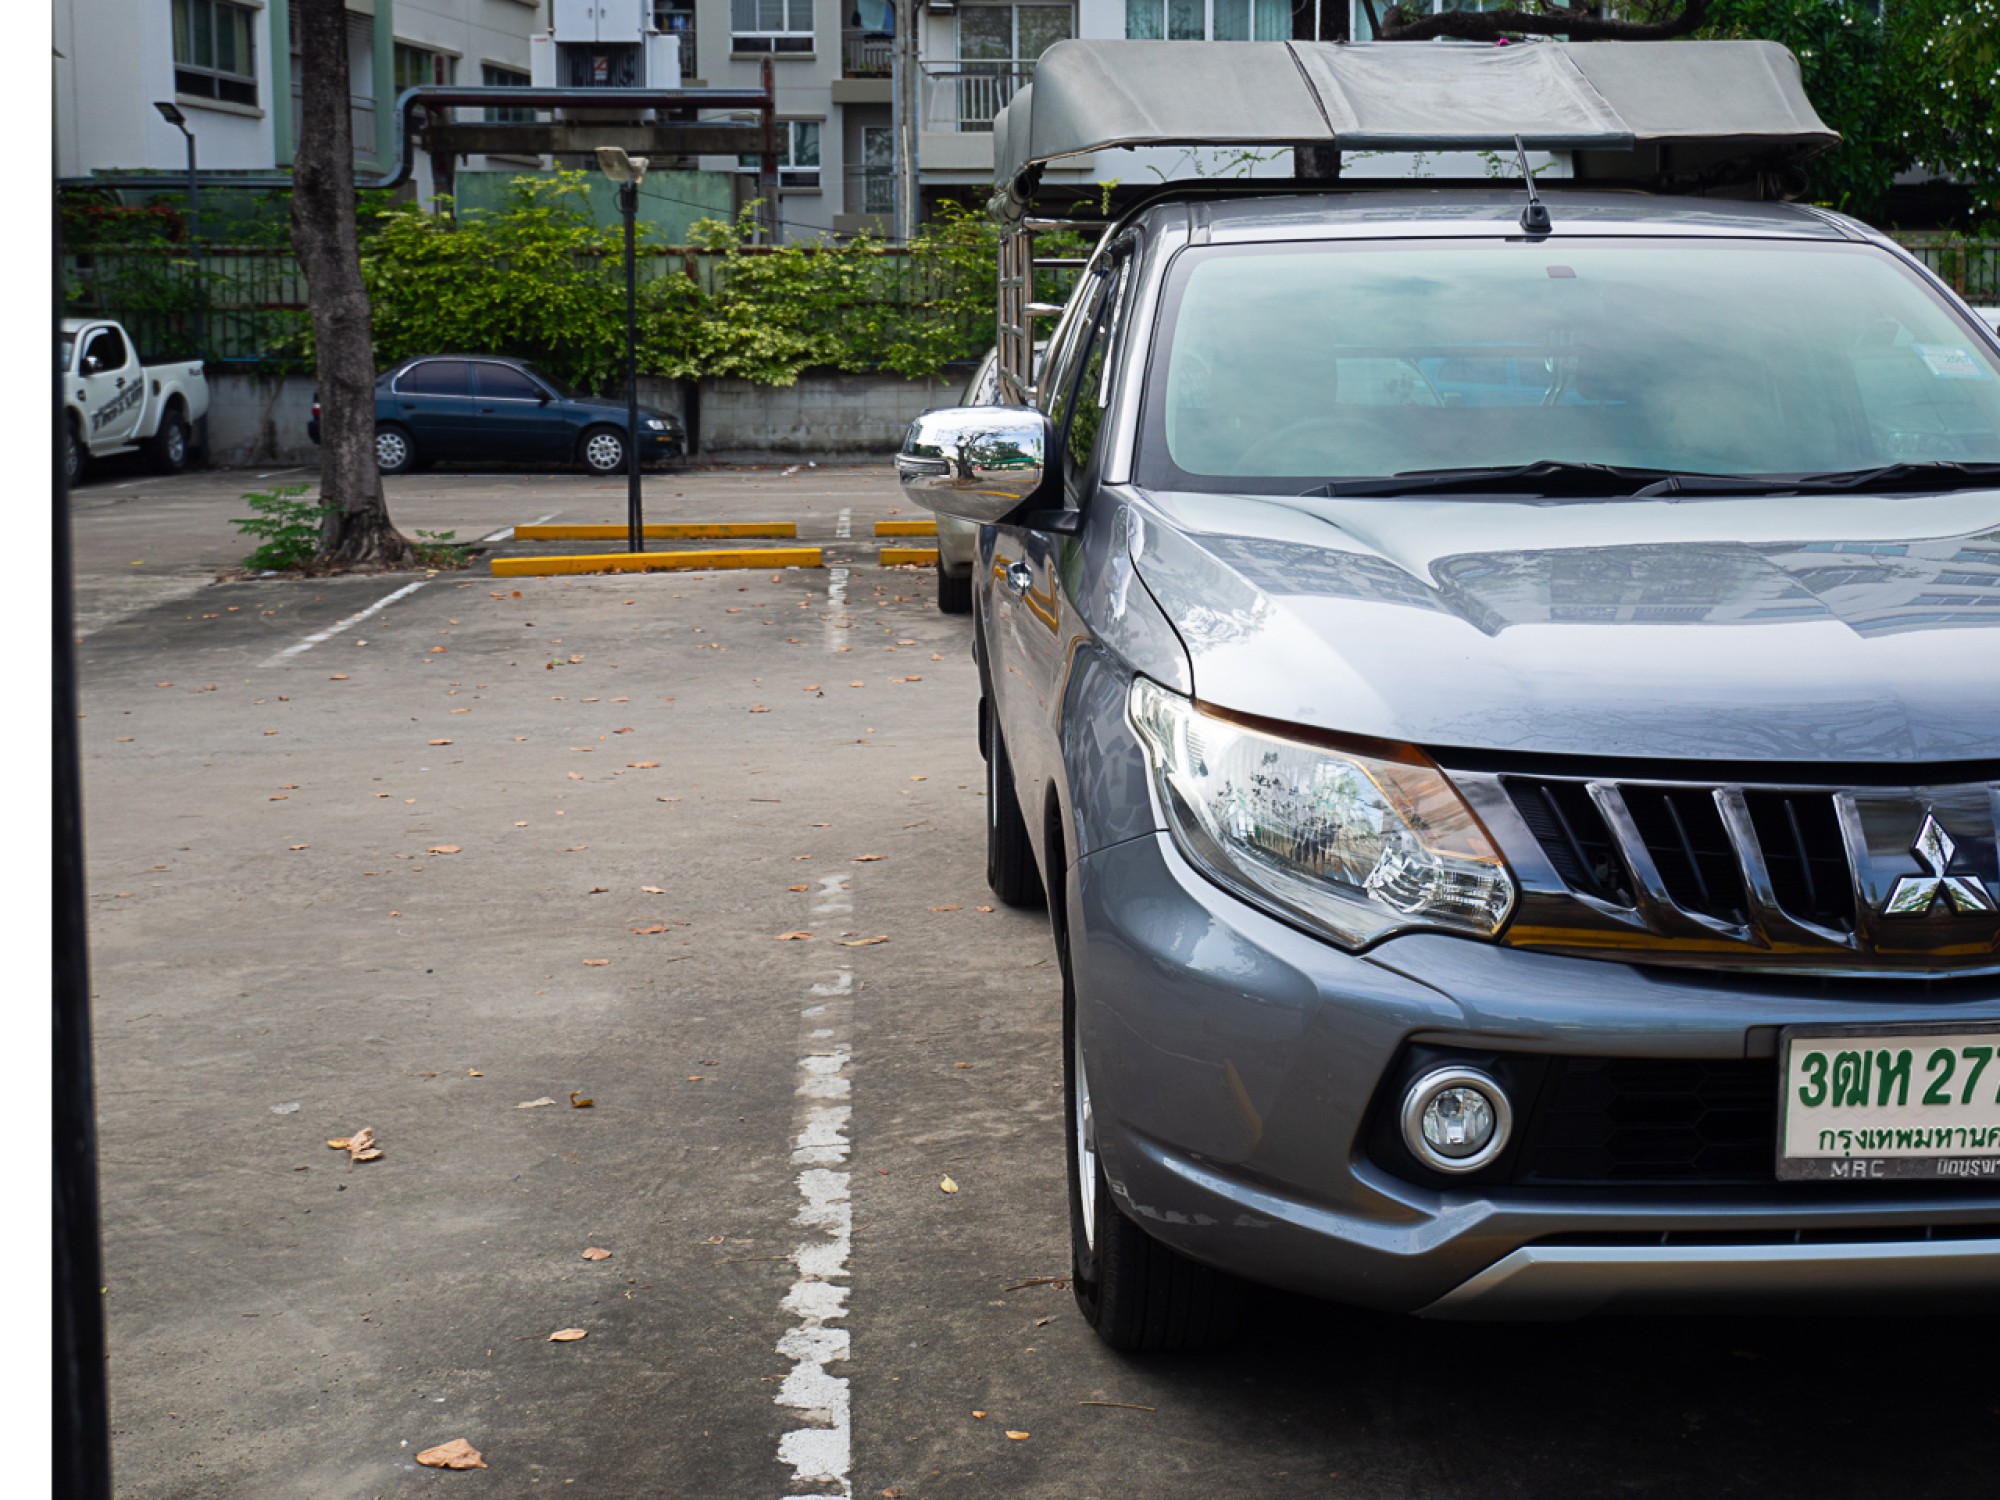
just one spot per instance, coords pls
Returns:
(1549, 476)
(1936, 474)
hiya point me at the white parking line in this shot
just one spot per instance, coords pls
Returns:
(843, 526)
(276, 472)
(506, 533)
(352, 620)
(821, 1452)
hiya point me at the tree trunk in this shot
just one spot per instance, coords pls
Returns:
(328, 249)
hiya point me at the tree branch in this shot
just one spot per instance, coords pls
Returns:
(1579, 25)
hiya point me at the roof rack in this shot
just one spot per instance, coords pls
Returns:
(1678, 116)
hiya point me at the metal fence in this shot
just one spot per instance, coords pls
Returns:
(965, 96)
(1971, 267)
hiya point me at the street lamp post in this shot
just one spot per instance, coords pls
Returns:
(171, 113)
(628, 172)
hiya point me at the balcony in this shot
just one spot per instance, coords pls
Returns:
(866, 54)
(963, 97)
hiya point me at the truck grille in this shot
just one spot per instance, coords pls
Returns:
(1723, 873)
(1652, 1120)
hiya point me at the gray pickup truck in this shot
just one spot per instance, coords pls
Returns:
(1499, 688)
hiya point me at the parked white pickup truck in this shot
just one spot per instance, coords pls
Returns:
(114, 404)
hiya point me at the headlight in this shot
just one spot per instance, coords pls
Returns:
(654, 424)
(1357, 846)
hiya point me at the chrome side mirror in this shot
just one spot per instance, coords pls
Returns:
(978, 463)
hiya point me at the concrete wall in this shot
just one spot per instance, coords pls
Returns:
(259, 420)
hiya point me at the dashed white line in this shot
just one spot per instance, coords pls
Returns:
(276, 472)
(843, 526)
(347, 624)
(821, 1451)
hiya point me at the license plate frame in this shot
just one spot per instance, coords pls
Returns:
(1895, 1161)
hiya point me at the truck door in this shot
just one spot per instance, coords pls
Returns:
(1032, 615)
(111, 387)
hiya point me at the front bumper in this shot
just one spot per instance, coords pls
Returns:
(1234, 1060)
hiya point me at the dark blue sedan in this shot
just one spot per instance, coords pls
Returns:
(479, 406)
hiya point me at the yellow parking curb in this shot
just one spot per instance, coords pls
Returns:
(645, 562)
(663, 529)
(898, 556)
(906, 528)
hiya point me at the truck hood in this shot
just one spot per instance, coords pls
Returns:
(1813, 628)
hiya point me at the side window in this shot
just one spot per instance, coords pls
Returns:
(434, 377)
(1058, 386)
(506, 383)
(1084, 419)
(104, 353)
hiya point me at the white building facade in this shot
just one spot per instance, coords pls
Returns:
(231, 67)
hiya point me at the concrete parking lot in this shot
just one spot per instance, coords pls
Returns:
(647, 914)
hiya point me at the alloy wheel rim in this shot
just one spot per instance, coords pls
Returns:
(605, 452)
(1086, 1149)
(389, 450)
(177, 444)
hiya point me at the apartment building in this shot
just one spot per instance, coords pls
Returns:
(231, 67)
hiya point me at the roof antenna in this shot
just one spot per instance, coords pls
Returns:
(1535, 217)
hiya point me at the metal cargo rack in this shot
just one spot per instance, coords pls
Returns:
(1725, 117)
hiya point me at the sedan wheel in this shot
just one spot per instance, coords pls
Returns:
(394, 453)
(604, 451)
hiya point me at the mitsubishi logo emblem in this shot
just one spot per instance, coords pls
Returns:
(1916, 895)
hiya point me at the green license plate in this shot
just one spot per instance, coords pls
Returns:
(1898, 1101)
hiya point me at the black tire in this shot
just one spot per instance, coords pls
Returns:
(76, 457)
(1135, 1293)
(395, 449)
(1010, 862)
(167, 449)
(602, 450)
(954, 591)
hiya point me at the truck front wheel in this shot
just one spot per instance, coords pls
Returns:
(167, 449)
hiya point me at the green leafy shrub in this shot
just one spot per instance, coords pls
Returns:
(288, 526)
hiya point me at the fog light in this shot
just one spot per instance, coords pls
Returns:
(1456, 1120)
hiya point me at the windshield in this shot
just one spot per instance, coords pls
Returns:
(1286, 366)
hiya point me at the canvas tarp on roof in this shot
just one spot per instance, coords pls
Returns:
(1714, 101)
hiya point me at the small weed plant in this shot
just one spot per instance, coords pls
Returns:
(440, 550)
(286, 526)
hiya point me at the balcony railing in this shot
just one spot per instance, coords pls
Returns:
(866, 54)
(967, 95)
(870, 190)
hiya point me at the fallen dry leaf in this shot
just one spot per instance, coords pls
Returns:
(653, 890)
(796, 887)
(649, 931)
(568, 1335)
(984, 908)
(534, 1103)
(440, 742)
(978, 1415)
(474, 1073)
(1017, 1436)
(642, 765)
(944, 908)
(456, 1454)
(866, 859)
(946, 1185)
(593, 1253)
(595, 963)
(577, 1101)
(296, 847)
(359, 1147)
(442, 849)
(854, 684)
(792, 937)
(867, 942)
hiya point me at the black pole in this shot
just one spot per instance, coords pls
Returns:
(635, 526)
(82, 1426)
(194, 250)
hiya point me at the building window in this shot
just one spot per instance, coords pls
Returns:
(1005, 33)
(506, 78)
(420, 68)
(770, 25)
(878, 170)
(1361, 32)
(213, 51)
(1211, 20)
(798, 154)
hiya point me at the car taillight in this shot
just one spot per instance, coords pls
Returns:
(315, 410)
